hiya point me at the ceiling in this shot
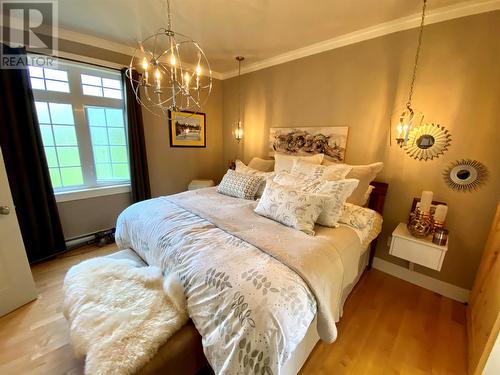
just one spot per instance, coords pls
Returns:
(256, 29)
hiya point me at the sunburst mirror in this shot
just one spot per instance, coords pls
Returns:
(465, 175)
(427, 141)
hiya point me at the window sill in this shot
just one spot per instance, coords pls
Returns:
(73, 195)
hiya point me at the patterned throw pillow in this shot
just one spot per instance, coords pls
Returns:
(336, 192)
(239, 185)
(332, 172)
(242, 168)
(290, 207)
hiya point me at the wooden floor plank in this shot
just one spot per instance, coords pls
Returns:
(388, 327)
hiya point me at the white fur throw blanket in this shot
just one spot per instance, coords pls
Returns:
(119, 314)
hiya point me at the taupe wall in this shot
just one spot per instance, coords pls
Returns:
(170, 169)
(360, 85)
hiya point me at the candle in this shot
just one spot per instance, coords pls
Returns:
(440, 214)
(426, 201)
(158, 79)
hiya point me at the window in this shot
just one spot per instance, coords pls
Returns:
(48, 79)
(81, 115)
(97, 86)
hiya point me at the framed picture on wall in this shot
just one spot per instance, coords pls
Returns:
(187, 129)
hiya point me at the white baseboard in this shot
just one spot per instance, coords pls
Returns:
(445, 289)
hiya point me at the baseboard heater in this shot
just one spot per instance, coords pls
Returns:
(100, 238)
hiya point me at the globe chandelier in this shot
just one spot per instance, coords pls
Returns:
(170, 72)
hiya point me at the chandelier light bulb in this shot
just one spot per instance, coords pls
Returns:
(173, 60)
(145, 64)
(157, 74)
(198, 70)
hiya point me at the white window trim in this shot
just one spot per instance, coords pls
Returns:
(73, 195)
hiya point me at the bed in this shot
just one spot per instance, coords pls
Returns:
(252, 310)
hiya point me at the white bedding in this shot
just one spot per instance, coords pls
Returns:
(250, 309)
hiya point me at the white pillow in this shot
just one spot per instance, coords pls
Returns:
(242, 168)
(290, 207)
(284, 162)
(336, 191)
(356, 216)
(365, 174)
(322, 172)
(239, 185)
(262, 165)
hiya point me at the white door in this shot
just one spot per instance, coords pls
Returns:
(16, 282)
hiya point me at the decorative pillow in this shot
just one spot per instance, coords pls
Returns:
(239, 185)
(290, 207)
(365, 174)
(336, 191)
(242, 168)
(285, 162)
(332, 172)
(366, 197)
(356, 216)
(262, 165)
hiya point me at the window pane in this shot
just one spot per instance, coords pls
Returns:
(47, 138)
(116, 136)
(59, 75)
(104, 172)
(72, 176)
(111, 83)
(42, 112)
(114, 117)
(101, 154)
(99, 136)
(35, 71)
(50, 154)
(120, 171)
(95, 116)
(92, 90)
(112, 94)
(55, 177)
(68, 156)
(91, 80)
(118, 154)
(61, 114)
(37, 84)
(65, 136)
(57, 86)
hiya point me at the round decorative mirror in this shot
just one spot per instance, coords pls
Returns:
(427, 141)
(465, 175)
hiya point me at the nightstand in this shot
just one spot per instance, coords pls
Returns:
(417, 250)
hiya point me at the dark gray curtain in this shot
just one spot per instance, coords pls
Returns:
(26, 166)
(139, 174)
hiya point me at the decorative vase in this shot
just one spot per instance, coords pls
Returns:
(420, 224)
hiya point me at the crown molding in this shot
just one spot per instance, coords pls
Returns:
(463, 9)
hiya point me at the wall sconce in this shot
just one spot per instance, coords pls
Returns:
(238, 131)
(238, 126)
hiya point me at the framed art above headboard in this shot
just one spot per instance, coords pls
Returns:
(328, 140)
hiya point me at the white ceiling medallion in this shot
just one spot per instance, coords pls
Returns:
(170, 72)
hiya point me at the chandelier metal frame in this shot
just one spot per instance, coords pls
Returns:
(167, 83)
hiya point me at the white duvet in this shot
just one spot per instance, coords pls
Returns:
(250, 309)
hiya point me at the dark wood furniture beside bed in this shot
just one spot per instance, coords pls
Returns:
(376, 203)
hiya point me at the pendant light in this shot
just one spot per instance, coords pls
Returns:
(170, 71)
(409, 116)
(238, 126)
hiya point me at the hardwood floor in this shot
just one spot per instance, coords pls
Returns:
(389, 327)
